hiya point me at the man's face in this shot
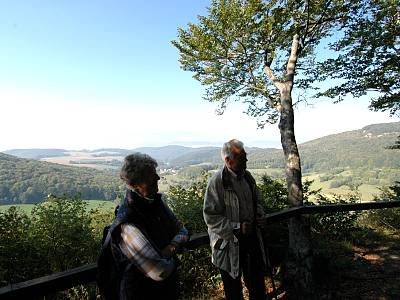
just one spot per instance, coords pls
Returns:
(149, 186)
(238, 161)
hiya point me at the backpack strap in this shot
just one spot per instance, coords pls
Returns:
(117, 222)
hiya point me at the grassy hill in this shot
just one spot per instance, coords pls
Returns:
(361, 148)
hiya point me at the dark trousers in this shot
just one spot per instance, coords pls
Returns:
(136, 286)
(251, 266)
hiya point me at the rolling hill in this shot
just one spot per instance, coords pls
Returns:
(352, 158)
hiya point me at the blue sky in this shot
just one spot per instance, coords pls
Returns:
(91, 74)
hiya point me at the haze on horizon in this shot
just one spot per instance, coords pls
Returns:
(96, 74)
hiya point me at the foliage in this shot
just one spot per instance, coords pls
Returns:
(60, 234)
(368, 56)
(199, 275)
(15, 243)
(396, 144)
(274, 193)
(235, 49)
(338, 225)
(388, 218)
(187, 203)
(62, 226)
(29, 181)
(239, 52)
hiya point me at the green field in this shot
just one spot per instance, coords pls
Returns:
(92, 204)
(366, 191)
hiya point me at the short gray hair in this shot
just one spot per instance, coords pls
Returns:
(226, 150)
(135, 167)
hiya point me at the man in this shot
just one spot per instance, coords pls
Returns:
(148, 234)
(233, 216)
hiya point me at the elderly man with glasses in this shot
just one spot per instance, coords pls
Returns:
(233, 215)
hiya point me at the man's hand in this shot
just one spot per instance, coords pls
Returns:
(169, 251)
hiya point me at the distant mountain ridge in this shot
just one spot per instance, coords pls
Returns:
(362, 151)
(350, 147)
(36, 153)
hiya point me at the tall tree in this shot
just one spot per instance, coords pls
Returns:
(256, 51)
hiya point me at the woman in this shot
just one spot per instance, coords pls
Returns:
(150, 234)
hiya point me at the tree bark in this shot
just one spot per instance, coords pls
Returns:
(298, 276)
(298, 279)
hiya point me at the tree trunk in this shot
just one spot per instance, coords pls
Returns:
(298, 279)
(298, 276)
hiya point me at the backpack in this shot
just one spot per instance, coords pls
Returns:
(109, 268)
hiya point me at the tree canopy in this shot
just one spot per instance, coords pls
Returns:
(368, 56)
(240, 50)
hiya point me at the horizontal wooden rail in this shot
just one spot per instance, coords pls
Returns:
(60, 281)
(323, 209)
(47, 285)
(84, 274)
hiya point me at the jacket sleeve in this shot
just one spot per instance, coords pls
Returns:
(214, 212)
(142, 253)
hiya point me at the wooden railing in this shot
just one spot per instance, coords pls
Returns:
(85, 274)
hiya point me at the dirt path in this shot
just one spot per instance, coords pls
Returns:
(373, 271)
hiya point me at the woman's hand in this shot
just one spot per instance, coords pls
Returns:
(169, 251)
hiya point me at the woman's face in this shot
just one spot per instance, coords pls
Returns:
(149, 186)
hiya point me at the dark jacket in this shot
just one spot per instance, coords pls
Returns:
(153, 220)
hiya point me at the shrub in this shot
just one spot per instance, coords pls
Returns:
(58, 236)
(63, 232)
(337, 225)
(273, 193)
(15, 243)
(388, 218)
(199, 276)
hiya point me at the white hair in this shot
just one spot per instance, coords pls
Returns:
(226, 150)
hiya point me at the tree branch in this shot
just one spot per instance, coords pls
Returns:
(291, 65)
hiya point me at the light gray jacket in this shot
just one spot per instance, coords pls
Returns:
(221, 214)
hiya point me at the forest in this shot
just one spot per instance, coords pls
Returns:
(59, 226)
(30, 181)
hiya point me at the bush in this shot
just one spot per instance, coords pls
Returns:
(335, 225)
(59, 235)
(388, 218)
(15, 243)
(199, 275)
(62, 230)
(273, 193)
